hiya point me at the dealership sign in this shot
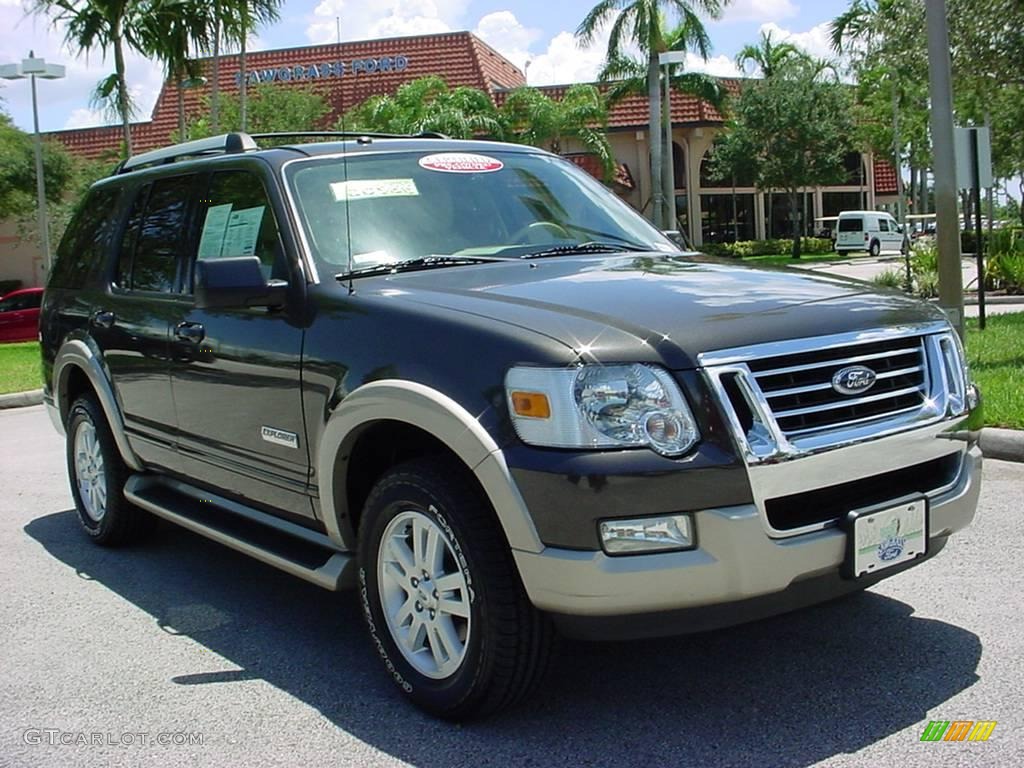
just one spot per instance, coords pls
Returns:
(328, 69)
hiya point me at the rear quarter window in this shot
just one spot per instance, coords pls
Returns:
(851, 225)
(83, 246)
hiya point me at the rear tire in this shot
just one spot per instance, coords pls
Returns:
(875, 249)
(442, 597)
(98, 474)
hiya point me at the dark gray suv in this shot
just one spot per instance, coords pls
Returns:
(466, 380)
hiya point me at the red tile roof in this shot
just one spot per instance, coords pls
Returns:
(590, 163)
(459, 57)
(885, 177)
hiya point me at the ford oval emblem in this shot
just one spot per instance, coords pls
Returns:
(853, 380)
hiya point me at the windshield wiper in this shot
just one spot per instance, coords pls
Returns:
(591, 246)
(423, 262)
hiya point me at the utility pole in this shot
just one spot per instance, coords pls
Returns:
(951, 288)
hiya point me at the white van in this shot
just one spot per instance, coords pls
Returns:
(871, 231)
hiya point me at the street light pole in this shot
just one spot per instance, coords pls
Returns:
(668, 173)
(31, 68)
(947, 219)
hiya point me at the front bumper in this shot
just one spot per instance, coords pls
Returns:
(736, 561)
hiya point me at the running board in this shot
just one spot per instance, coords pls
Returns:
(308, 554)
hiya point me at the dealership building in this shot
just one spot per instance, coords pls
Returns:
(346, 74)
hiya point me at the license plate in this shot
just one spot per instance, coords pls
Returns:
(883, 537)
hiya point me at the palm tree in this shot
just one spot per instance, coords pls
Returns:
(532, 117)
(642, 22)
(427, 104)
(769, 56)
(628, 75)
(231, 22)
(112, 25)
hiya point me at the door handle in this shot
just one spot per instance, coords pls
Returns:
(191, 332)
(103, 319)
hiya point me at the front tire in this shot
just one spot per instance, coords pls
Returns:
(98, 474)
(442, 597)
(875, 249)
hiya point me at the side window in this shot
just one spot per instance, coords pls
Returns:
(238, 220)
(883, 225)
(151, 245)
(83, 245)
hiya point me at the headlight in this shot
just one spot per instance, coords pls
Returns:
(600, 406)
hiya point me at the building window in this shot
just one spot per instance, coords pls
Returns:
(778, 217)
(834, 203)
(727, 218)
(709, 177)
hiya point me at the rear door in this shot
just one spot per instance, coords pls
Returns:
(851, 232)
(131, 322)
(236, 372)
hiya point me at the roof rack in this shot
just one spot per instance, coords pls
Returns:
(231, 143)
(348, 135)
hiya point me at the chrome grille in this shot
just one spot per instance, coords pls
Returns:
(779, 399)
(801, 397)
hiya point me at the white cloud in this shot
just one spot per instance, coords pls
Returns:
(85, 117)
(815, 41)
(388, 18)
(759, 10)
(503, 32)
(719, 66)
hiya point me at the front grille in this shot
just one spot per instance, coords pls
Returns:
(823, 505)
(800, 395)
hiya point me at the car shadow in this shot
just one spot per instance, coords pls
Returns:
(787, 691)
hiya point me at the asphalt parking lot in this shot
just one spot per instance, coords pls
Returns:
(181, 639)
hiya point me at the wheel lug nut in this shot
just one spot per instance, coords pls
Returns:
(419, 607)
(435, 594)
(414, 581)
(431, 613)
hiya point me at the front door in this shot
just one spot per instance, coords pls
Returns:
(235, 373)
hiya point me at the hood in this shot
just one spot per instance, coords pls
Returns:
(622, 306)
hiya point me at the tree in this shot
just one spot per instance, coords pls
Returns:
(795, 127)
(644, 23)
(18, 170)
(768, 56)
(427, 104)
(530, 116)
(271, 109)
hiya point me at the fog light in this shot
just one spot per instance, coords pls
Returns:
(649, 534)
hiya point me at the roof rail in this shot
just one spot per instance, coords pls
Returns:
(227, 143)
(348, 135)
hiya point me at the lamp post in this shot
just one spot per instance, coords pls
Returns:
(33, 68)
(668, 173)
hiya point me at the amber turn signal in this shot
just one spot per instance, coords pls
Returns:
(531, 404)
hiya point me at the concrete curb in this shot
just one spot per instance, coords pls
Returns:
(21, 399)
(1002, 444)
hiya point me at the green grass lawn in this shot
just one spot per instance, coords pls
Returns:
(786, 260)
(997, 365)
(19, 367)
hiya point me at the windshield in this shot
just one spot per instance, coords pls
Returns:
(413, 205)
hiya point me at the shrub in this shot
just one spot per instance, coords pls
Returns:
(1006, 271)
(891, 278)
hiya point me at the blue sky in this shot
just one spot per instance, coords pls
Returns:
(537, 31)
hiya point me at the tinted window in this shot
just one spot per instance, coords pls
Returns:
(123, 278)
(384, 209)
(22, 301)
(851, 225)
(155, 262)
(239, 221)
(82, 246)
(883, 225)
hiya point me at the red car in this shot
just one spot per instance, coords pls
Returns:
(19, 315)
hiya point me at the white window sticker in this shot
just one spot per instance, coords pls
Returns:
(362, 189)
(242, 232)
(461, 162)
(212, 239)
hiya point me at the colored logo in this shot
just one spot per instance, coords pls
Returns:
(461, 162)
(853, 380)
(958, 730)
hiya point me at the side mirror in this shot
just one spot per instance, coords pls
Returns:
(236, 282)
